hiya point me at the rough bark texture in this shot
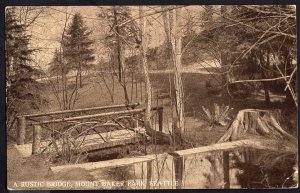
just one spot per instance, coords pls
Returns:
(176, 40)
(255, 122)
(160, 137)
(143, 49)
(121, 73)
(172, 22)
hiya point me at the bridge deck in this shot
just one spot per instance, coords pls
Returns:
(90, 142)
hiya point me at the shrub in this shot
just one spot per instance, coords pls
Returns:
(219, 115)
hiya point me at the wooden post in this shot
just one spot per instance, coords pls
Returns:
(178, 165)
(36, 143)
(136, 119)
(149, 174)
(21, 130)
(226, 169)
(160, 119)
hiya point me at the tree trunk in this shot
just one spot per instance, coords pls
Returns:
(224, 62)
(79, 68)
(121, 73)
(123, 84)
(176, 41)
(118, 44)
(64, 85)
(80, 79)
(113, 88)
(143, 50)
(255, 122)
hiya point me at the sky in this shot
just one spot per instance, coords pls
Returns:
(47, 29)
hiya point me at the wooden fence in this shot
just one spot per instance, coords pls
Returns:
(179, 159)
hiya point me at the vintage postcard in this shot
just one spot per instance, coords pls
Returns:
(151, 97)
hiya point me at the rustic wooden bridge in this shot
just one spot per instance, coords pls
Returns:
(92, 129)
(84, 129)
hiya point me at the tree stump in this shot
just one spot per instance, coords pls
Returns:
(256, 122)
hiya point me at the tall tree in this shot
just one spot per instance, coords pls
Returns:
(22, 89)
(173, 23)
(143, 51)
(119, 38)
(74, 55)
(77, 47)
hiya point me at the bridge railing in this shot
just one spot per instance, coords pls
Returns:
(38, 126)
(23, 119)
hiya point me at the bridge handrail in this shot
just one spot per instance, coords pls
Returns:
(133, 111)
(22, 120)
(79, 110)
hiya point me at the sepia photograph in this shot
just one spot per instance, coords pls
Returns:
(151, 97)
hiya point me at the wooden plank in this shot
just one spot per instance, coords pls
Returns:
(251, 143)
(134, 111)
(81, 110)
(214, 147)
(105, 164)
